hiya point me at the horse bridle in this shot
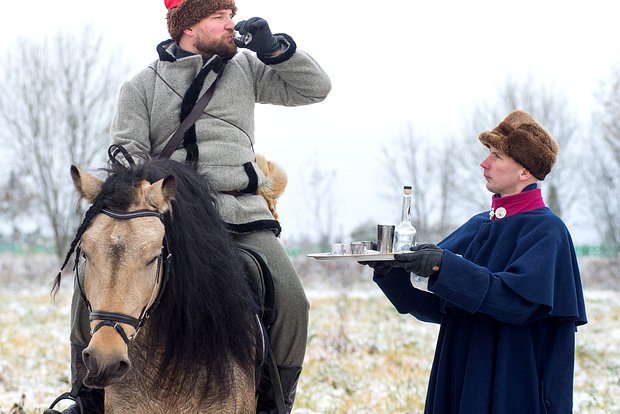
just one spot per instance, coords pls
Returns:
(113, 319)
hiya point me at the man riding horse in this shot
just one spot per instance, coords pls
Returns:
(203, 57)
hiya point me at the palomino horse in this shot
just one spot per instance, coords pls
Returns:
(152, 245)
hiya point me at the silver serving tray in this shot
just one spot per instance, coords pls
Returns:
(368, 257)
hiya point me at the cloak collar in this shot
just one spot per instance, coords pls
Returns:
(529, 199)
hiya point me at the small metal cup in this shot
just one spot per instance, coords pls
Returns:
(357, 248)
(385, 238)
(369, 245)
(338, 249)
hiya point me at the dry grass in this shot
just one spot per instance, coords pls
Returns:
(362, 356)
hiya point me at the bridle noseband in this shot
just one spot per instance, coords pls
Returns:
(113, 319)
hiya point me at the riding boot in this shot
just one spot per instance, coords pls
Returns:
(289, 376)
(267, 398)
(91, 399)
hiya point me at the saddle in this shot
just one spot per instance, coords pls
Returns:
(261, 283)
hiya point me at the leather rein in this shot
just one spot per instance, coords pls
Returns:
(113, 319)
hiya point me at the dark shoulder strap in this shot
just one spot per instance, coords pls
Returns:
(190, 119)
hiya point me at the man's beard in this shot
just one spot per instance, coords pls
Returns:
(223, 50)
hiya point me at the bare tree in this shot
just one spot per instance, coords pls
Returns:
(447, 186)
(16, 202)
(411, 159)
(321, 204)
(471, 191)
(605, 164)
(57, 103)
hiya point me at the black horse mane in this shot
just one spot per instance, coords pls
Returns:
(204, 320)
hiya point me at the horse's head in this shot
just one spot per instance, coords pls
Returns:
(121, 264)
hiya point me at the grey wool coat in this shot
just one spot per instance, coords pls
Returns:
(149, 110)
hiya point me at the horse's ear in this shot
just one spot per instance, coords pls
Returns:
(87, 185)
(160, 193)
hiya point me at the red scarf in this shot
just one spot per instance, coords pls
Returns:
(517, 203)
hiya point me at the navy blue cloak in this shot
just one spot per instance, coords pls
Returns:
(508, 297)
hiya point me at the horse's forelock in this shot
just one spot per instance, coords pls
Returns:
(118, 190)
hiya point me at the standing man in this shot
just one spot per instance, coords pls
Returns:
(202, 52)
(504, 287)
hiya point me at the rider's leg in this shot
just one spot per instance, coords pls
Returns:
(289, 330)
(92, 399)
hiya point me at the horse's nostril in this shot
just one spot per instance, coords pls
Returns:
(122, 368)
(87, 359)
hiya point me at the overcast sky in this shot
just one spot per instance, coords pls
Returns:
(427, 63)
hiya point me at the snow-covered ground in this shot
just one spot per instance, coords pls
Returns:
(362, 356)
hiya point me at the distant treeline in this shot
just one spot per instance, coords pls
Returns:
(584, 250)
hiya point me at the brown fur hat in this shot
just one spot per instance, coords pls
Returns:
(523, 139)
(185, 13)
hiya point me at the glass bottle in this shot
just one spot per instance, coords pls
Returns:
(405, 234)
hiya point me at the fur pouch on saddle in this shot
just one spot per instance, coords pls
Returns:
(274, 184)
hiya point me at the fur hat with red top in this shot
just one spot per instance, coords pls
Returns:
(524, 140)
(185, 13)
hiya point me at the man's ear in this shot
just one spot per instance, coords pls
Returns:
(188, 32)
(525, 174)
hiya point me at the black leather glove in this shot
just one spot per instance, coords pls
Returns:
(260, 39)
(381, 267)
(420, 260)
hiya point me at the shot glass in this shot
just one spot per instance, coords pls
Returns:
(357, 248)
(338, 249)
(369, 246)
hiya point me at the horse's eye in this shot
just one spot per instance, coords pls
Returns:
(152, 261)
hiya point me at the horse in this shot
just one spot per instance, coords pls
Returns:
(173, 318)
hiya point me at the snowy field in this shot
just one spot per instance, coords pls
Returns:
(362, 356)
